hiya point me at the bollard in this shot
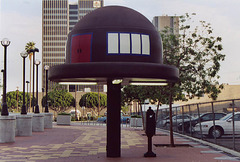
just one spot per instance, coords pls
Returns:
(150, 131)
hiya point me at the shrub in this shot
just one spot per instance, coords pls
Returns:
(136, 116)
(64, 113)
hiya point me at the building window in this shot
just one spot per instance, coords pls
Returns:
(136, 44)
(128, 43)
(124, 43)
(145, 45)
(113, 43)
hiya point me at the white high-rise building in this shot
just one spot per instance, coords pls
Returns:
(58, 19)
(160, 22)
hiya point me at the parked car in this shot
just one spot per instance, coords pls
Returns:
(124, 119)
(176, 119)
(224, 126)
(102, 119)
(72, 112)
(189, 125)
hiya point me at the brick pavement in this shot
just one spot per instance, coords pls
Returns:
(88, 143)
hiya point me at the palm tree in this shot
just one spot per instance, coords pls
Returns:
(28, 47)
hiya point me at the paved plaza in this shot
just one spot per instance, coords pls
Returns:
(88, 143)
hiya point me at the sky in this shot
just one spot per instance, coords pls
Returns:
(21, 22)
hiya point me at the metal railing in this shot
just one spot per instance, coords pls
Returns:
(189, 113)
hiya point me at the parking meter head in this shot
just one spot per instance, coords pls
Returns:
(150, 123)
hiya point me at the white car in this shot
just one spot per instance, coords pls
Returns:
(223, 126)
(72, 112)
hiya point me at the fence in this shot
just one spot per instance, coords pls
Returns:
(192, 120)
(95, 122)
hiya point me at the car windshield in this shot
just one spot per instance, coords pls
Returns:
(194, 118)
(226, 117)
(167, 117)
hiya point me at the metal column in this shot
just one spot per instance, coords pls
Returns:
(113, 119)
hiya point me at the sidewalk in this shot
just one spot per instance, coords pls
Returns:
(88, 143)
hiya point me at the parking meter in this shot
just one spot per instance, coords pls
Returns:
(150, 131)
(150, 123)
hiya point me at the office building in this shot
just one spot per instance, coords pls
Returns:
(160, 22)
(54, 33)
(73, 15)
(86, 6)
(58, 19)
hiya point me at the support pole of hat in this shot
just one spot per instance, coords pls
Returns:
(113, 119)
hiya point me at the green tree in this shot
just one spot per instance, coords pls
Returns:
(90, 100)
(12, 100)
(136, 93)
(59, 100)
(12, 97)
(196, 52)
(125, 109)
(156, 95)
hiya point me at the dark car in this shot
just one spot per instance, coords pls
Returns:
(175, 119)
(189, 125)
(124, 118)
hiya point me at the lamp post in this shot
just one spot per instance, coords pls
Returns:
(24, 54)
(33, 51)
(5, 43)
(37, 62)
(17, 97)
(27, 94)
(43, 90)
(46, 67)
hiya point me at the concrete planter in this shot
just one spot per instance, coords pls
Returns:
(7, 129)
(63, 119)
(48, 120)
(136, 122)
(38, 122)
(24, 125)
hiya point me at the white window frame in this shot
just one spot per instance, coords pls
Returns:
(121, 43)
(113, 43)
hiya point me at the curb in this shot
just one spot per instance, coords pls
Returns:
(224, 149)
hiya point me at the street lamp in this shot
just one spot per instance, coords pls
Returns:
(43, 89)
(37, 62)
(27, 94)
(46, 67)
(24, 54)
(5, 43)
(33, 51)
(17, 96)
